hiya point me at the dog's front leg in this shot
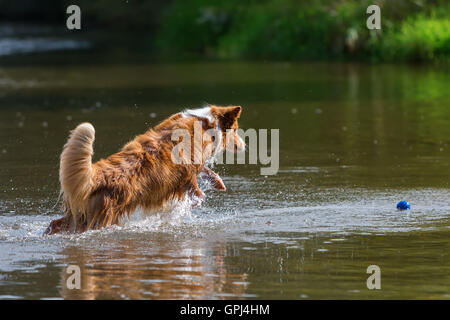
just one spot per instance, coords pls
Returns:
(196, 193)
(213, 178)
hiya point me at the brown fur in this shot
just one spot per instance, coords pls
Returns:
(142, 174)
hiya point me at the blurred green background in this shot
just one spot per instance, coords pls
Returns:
(412, 30)
(355, 138)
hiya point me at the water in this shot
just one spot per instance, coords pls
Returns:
(354, 140)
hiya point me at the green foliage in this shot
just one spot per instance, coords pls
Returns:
(194, 26)
(424, 39)
(317, 29)
(412, 30)
(280, 32)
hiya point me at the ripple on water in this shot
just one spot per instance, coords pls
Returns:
(375, 213)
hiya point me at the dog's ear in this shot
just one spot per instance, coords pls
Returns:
(227, 116)
(234, 112)
(230, 113)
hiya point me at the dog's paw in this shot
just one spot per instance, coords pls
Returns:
(213, 179)
(218, 184)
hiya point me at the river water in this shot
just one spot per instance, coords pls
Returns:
(354, 140)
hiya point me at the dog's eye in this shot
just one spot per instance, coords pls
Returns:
(213, 138)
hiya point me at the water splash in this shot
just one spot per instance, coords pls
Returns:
(171, 215)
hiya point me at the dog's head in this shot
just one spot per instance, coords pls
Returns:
(227, 122)
(218, 127)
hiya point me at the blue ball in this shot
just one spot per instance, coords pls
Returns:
(403, 205)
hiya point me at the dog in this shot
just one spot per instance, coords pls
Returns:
(143, 175)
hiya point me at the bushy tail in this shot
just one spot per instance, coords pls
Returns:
(75, 172)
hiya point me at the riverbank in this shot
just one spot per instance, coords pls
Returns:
(317, 30)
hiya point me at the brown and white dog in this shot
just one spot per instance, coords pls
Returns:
(143, 174)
